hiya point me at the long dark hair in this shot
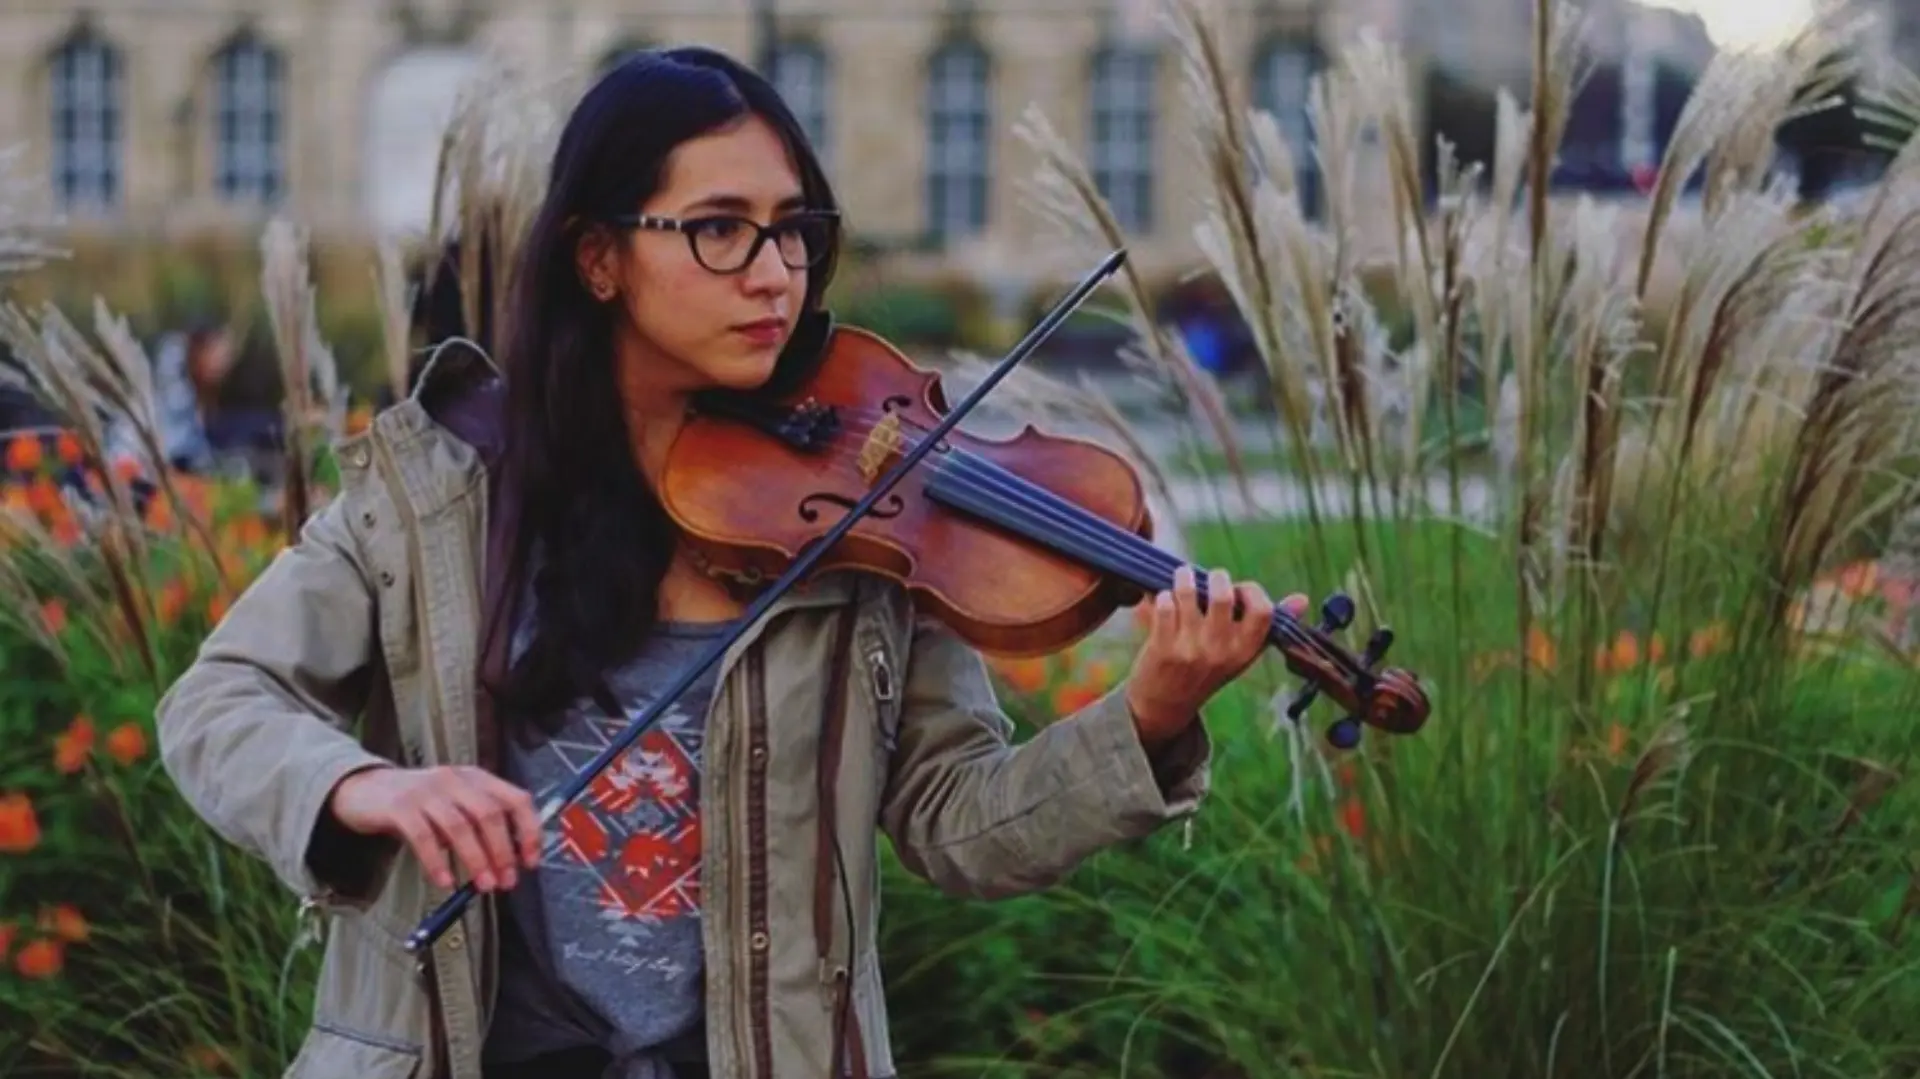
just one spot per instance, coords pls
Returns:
(603, 540)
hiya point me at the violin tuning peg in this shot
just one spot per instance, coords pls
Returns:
(1336, 612)
(1302, 700)
(1377, 646)
(1344, 734)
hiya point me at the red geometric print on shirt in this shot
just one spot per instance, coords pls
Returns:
(637, 831)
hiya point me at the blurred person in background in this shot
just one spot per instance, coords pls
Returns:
(190, 368)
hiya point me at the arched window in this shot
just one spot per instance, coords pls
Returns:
(86, 83)
(249, 122)
(1122, 100)
(959, 123)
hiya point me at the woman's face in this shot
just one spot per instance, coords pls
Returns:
(681, 325)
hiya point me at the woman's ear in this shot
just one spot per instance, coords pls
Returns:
(597, 259)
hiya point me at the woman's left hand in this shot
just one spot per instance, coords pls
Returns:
(1191, 653)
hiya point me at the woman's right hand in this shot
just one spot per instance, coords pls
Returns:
(488, 823)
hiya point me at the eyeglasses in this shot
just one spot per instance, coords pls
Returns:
(728, 243)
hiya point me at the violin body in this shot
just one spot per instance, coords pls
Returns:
(1022, 545)
(749, 502)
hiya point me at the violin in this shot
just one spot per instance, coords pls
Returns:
(1021, 546)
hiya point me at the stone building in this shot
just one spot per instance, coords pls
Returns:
(151, 116)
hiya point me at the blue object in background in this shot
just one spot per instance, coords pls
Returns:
(1207, 343)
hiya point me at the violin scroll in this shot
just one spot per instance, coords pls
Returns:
(1391, 700)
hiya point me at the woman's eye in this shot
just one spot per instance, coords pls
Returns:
(719, 228)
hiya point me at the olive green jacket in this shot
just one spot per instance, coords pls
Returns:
(360, 645)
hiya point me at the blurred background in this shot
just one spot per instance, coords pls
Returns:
(1620, 434)
(166, 132)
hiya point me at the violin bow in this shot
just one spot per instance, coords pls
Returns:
(442, 917)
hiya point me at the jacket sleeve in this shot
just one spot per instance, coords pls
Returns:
(258, 730)
(978, 816)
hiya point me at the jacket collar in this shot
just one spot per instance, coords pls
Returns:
(450, 434)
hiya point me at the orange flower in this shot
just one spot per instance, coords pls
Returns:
(65, 922)
(216, 610)
(1616, 740)
(359, 419)
(127, 743)
(1540, 649)
(1622, 655)
(23, 454)
(43, 495)
(1706, 641)
(196, 493)
(126, 468)
(66, 531)
(1022, 675)
(171, 602)
(53, 615)
(1098, 673)
(1075, 695)
(248, 533)
(71, 748)
(42, 958)
(159, 515)
(208, 1058)
(67, 448)
(1353, 817)
(14, 497)
(19, 825)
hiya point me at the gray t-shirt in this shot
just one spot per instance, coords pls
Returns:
(601, 945)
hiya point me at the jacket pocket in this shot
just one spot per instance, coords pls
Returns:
(332, 1052)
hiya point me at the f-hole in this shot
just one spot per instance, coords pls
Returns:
(888, 507)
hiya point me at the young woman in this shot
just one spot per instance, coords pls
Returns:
(496, 576)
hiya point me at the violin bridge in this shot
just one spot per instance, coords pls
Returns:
(881, 446)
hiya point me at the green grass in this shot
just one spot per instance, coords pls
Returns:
(1699, 866)
(1521, 902)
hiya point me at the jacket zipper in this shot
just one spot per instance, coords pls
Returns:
(835, 975)
(759, 1022)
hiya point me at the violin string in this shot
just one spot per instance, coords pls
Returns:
(1139, 557)
(1150, 562)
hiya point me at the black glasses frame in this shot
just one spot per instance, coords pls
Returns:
(690, 226)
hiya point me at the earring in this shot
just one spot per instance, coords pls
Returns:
(602, 291)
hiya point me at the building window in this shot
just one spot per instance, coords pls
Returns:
(249, 122)
(1122, 97)
(87, 78)
(1283, 86)
(958, 126)
(800, 73)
